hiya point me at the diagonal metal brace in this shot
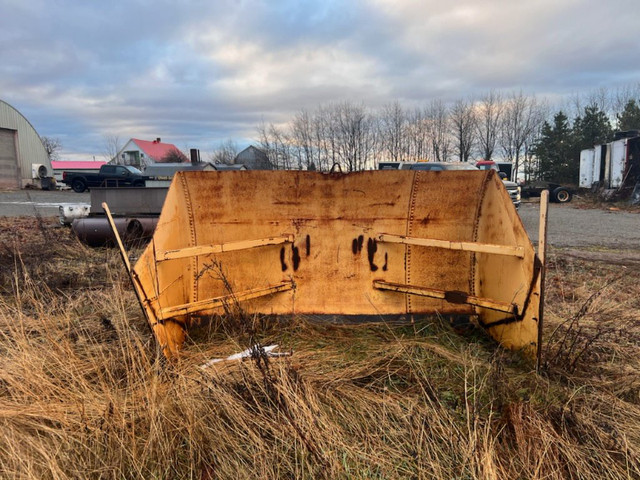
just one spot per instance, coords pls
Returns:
(449, 296)
(218, 302)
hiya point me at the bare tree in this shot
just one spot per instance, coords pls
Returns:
(52, 146)
(621, 98)
(276, 144)
(488, 126)
(392, 125)
(438, 116)
(417, 132)
(463, 125)
(339, 133)
(601, 97)
(306, 152)
(351, 128)
(111, 147)
(321, 136)
(174, 156)
(225, 153)
(521, 117)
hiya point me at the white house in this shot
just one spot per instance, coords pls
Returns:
(142, 153)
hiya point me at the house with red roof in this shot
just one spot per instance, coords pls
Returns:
(141, 153)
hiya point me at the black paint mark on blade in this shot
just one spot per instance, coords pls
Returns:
(296, 257)
(356, 245)
(386, 261)
(282, 262)
(308, 245)
(372, 248)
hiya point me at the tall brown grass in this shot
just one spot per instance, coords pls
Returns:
(84, 393)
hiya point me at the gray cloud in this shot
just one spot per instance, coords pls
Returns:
(199, 72)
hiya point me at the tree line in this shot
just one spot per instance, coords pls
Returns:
(557, 148)
(514, 127)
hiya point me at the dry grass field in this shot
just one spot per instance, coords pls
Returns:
(84, 393)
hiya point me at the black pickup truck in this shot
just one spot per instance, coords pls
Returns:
(109, 176)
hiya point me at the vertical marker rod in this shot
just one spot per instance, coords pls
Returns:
(542, 253)
(125, 258)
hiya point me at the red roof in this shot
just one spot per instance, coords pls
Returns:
(70, 165)
(157, 150)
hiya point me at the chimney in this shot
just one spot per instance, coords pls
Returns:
(158, 140)
(195, 155)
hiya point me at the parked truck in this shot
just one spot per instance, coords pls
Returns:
(108, 176)
(512, 188)
(557, 192)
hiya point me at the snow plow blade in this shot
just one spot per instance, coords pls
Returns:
(368, 243)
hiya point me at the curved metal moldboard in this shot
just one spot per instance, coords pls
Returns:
(366, 243)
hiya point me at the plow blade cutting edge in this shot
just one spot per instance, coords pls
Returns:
(368, 243)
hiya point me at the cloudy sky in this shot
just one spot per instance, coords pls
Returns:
(199, 72)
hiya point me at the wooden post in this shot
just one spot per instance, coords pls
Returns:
(542, 251)
(140, 295)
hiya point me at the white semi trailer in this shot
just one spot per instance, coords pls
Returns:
(614, 165)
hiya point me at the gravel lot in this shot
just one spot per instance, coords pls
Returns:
(568, 227)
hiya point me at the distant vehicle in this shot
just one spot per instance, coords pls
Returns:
(512, 188)
(504, 167)
(557, 193)
(437, 166)
(109, 176)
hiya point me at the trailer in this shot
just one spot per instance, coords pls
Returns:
(586, 168)
(612, 166)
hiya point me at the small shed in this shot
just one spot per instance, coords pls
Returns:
(253, 158)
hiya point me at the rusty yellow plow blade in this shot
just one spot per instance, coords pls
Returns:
(368, 243)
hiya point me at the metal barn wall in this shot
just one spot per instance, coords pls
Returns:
(29, 146)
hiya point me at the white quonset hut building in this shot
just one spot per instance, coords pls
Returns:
(22, 155)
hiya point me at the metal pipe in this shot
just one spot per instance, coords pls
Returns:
(96, 231)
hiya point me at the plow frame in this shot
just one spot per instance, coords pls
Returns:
(497, 316)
